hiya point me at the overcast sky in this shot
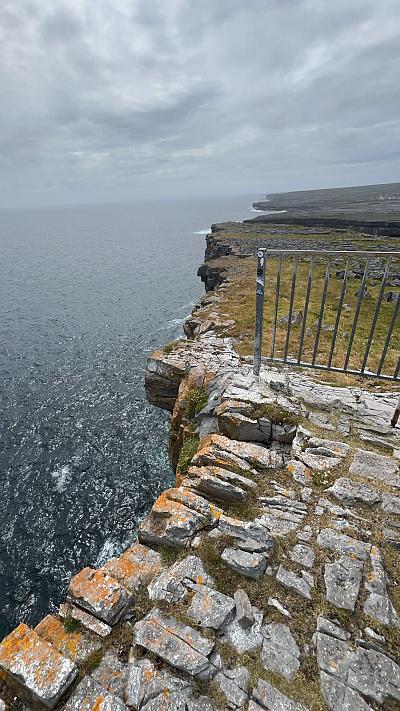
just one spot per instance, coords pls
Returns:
(124, 99)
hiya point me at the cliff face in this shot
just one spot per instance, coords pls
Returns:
(266, 578)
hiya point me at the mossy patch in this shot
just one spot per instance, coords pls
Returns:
(71, 625)
(195, 401)
(278, 415)
(188, 450)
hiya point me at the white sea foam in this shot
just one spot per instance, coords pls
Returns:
(62, 477)
(109, 549)
(202, 232)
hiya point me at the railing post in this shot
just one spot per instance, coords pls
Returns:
(260, 287)
(396, 414)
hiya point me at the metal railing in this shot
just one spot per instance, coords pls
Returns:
(312, 286)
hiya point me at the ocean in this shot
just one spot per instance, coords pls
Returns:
(86, 293)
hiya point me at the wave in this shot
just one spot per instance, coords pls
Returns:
(202, 232)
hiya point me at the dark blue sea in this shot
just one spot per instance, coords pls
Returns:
(86, 293)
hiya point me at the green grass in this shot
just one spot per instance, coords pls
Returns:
(195, 401)
(188, 450)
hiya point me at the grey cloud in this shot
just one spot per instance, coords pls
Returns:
(185, 97)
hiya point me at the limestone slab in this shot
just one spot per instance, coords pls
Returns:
(40, 673)
(100, 594)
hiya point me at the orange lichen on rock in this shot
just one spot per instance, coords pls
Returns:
(100, 593)
(37, 669)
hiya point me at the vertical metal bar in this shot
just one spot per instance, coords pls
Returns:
(289, 325)
(389, 334)
(397, 371)
(396, 414)
(357, 314)
(339, 313)
(303, 327)
(260, 288)
(321, 312)
(278, 286)
(375, 317)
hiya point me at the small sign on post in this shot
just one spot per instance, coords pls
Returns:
(260, 288)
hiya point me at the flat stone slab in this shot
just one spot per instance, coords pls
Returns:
(89, 695)
(111, 673)
(303, 555)
(176, 517)
(300, 584)
(159, 690)
(352, 492)
(136, 567)
(316, 453)
(244, 639)
(100, 594)
(234, 684)
(375, 466)
(39, 672)
(210, 608)
(268, 697)
(78, 646)
(250, 565)
(374, 675)
(219, 483)
(178, 644)
(378, 604)
(342, 544)
(280, 652)
(255, 455)
(391, 504)
(91, 623)
(174, 584)
(342, 582)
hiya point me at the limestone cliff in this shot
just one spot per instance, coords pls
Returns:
(267, 578)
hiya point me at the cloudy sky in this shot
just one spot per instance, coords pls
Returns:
(124, 99)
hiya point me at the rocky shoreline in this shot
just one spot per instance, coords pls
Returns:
(267, 578)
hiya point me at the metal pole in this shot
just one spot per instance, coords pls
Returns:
(260, 287)
(396, 414)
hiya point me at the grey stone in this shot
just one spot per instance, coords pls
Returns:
(244, 612)
(178, 644)
(316, 453)
(146, 684)
(280, 652)
(342, 544)
(219, 483)
(251, 565)
(331, 628)
(303, 555)
(351, 492)
(111, 673)
(234, 683)
(210, 608)
(378, 604)
(89, 694)
(244, 639)
(268, 697)
(391, 504)
(333, 656)
(375, 466)
(391, 537)
(173, 584)
(342, 581)
(300, 584)
(273, 602)
(339, 697)
(247, 531)
(375, 675)
(298, 471)
(279, 523)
